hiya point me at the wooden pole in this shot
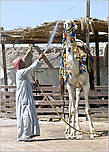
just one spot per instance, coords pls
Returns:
(87, 23)
(44, 58)
(88, 8)
(4, 64)
(97, 59)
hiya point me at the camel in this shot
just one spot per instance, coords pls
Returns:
(76, 81)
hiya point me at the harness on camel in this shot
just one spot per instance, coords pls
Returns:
(84, 58)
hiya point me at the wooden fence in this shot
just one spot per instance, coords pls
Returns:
(98, 100)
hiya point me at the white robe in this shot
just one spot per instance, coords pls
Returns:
(27, 122)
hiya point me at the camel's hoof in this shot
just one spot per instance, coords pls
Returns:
(73, 137)
(79, 136)
(67, 132)
(98, 134)
(67, 136)
(70, 137)
(92, 136)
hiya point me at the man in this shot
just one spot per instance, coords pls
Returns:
(27, 122)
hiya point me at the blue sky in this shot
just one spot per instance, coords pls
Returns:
(23, 13)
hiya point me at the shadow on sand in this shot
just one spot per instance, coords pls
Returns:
(104, 133)
(47, 139)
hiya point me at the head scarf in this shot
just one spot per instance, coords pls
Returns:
(16, 62)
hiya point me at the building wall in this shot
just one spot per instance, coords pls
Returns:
(49, 77)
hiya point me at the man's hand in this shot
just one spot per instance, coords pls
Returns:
(40, 56)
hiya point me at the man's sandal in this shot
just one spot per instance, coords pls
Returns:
(27, 139)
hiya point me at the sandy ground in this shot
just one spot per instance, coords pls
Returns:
(52, 138)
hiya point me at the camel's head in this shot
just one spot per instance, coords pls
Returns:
(69, 26)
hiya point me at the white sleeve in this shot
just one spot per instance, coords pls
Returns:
(32, 67)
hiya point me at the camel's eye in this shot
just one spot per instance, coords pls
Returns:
(69, 24)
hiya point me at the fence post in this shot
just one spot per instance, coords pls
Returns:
(97, 59)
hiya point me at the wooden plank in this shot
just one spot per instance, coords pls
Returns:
(98, 101)
(44, 58)
(98, 87)
(101, 115)
(104, 86)
(13, 110)
(2, 109)
(55, 103)
(9, 104)
(11, 94)
(91, 94)
(82, 102)
(93, 110)
(53, 87)
(98, 90)
(60, 103)
(98, 94)
(101, 109)
(66, 111)
(7, 86)
(8, 115)
(48, 110)
(4, 100)
(48, 115)
(91, 101)
(56, 89)
(47, 94)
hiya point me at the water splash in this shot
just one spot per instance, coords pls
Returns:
(51, 37)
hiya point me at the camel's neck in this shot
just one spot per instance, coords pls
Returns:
(71, 61)
(68, 38)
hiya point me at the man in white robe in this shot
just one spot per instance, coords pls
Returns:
(27, 121)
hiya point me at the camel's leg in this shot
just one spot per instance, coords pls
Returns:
(88, 111)
(71, 131)
(78, 134)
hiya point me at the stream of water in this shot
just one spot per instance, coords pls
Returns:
(51, 37)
